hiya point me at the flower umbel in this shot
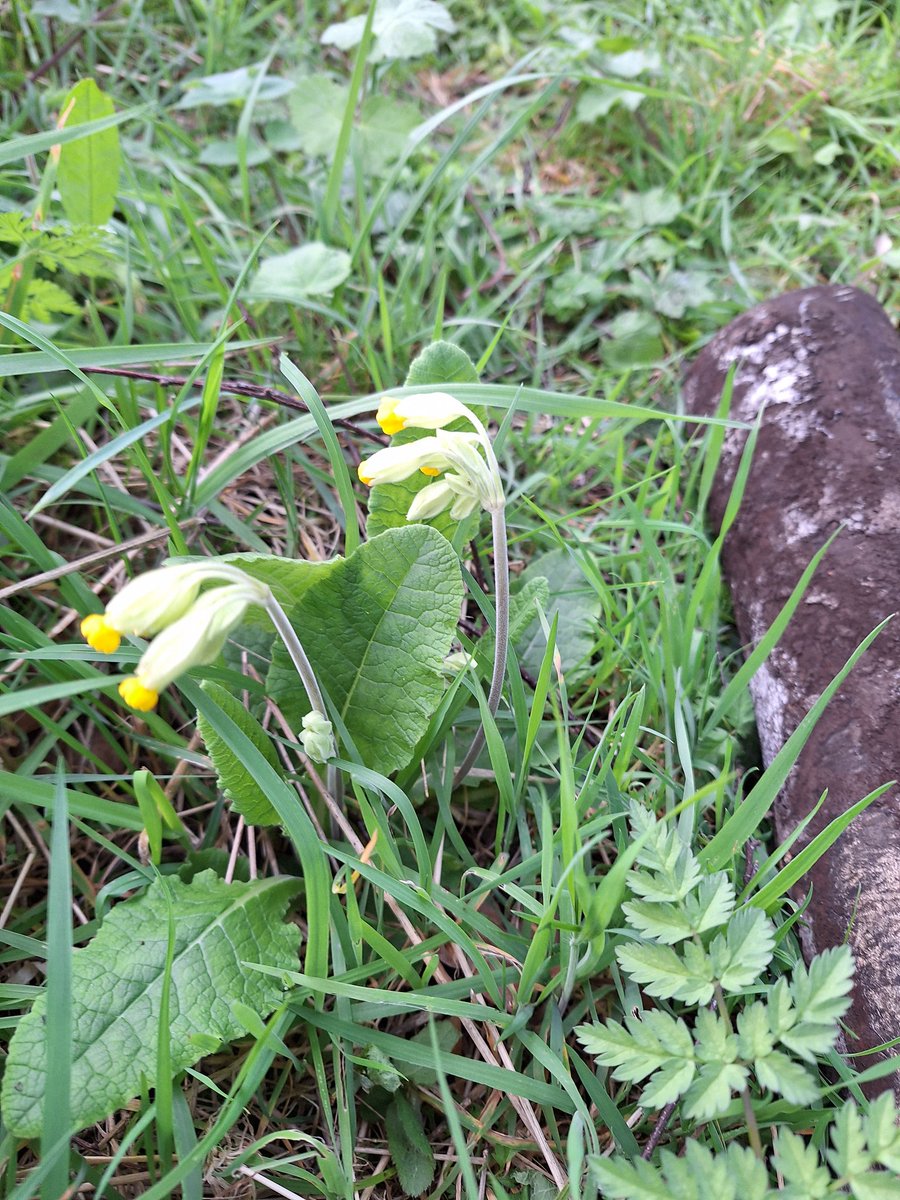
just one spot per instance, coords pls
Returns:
(474, 480)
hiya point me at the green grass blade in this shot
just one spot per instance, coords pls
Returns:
(747, 817)
(57, 1111)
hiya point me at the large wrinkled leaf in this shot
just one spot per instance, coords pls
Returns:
(376, 628)
(88, 173)
(311, 270)
(117, 981)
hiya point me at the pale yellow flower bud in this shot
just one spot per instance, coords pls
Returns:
(317, 737)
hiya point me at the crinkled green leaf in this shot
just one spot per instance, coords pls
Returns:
(116, 984)
(579, 608)
(376, 628)
(287, 578)
(410, 1149)
(239, 784)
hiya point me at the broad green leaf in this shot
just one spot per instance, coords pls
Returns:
(410, 1149)
(232, 87)
(636, 341)
(239, 784)
(381, 127)
(577, 603)
(225, 152)
(402, 29)
(311, 270)
(88, 173)
(656, 206)
(377, 628)
(439, 363)
(599, 100)
(288, 578)
(117, 980)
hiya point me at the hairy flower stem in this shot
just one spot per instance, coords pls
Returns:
(501, 633)
(292, 644)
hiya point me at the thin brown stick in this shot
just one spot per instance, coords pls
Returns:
(235, 387)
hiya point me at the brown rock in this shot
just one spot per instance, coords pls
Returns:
(825, 364)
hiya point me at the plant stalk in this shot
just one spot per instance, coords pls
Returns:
(294, 648)
(501, 632)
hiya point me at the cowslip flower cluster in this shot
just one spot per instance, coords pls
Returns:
(467, 481)
(467, 476)
(188, 629)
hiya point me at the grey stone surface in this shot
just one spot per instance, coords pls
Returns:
(825, 365)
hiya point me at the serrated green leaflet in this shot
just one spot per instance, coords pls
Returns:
(117, 982)
(377, 628)
(236, 781)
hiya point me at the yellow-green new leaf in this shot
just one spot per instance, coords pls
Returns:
(88, 175)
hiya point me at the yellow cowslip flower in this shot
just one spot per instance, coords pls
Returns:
(194, 640)
(424, 410)
(150, 602)
(99, 634)
(399, 462)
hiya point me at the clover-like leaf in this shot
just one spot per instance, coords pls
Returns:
(311, 270)
(117, 983)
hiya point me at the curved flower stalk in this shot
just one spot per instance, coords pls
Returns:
(190, 630)
(464, 481)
